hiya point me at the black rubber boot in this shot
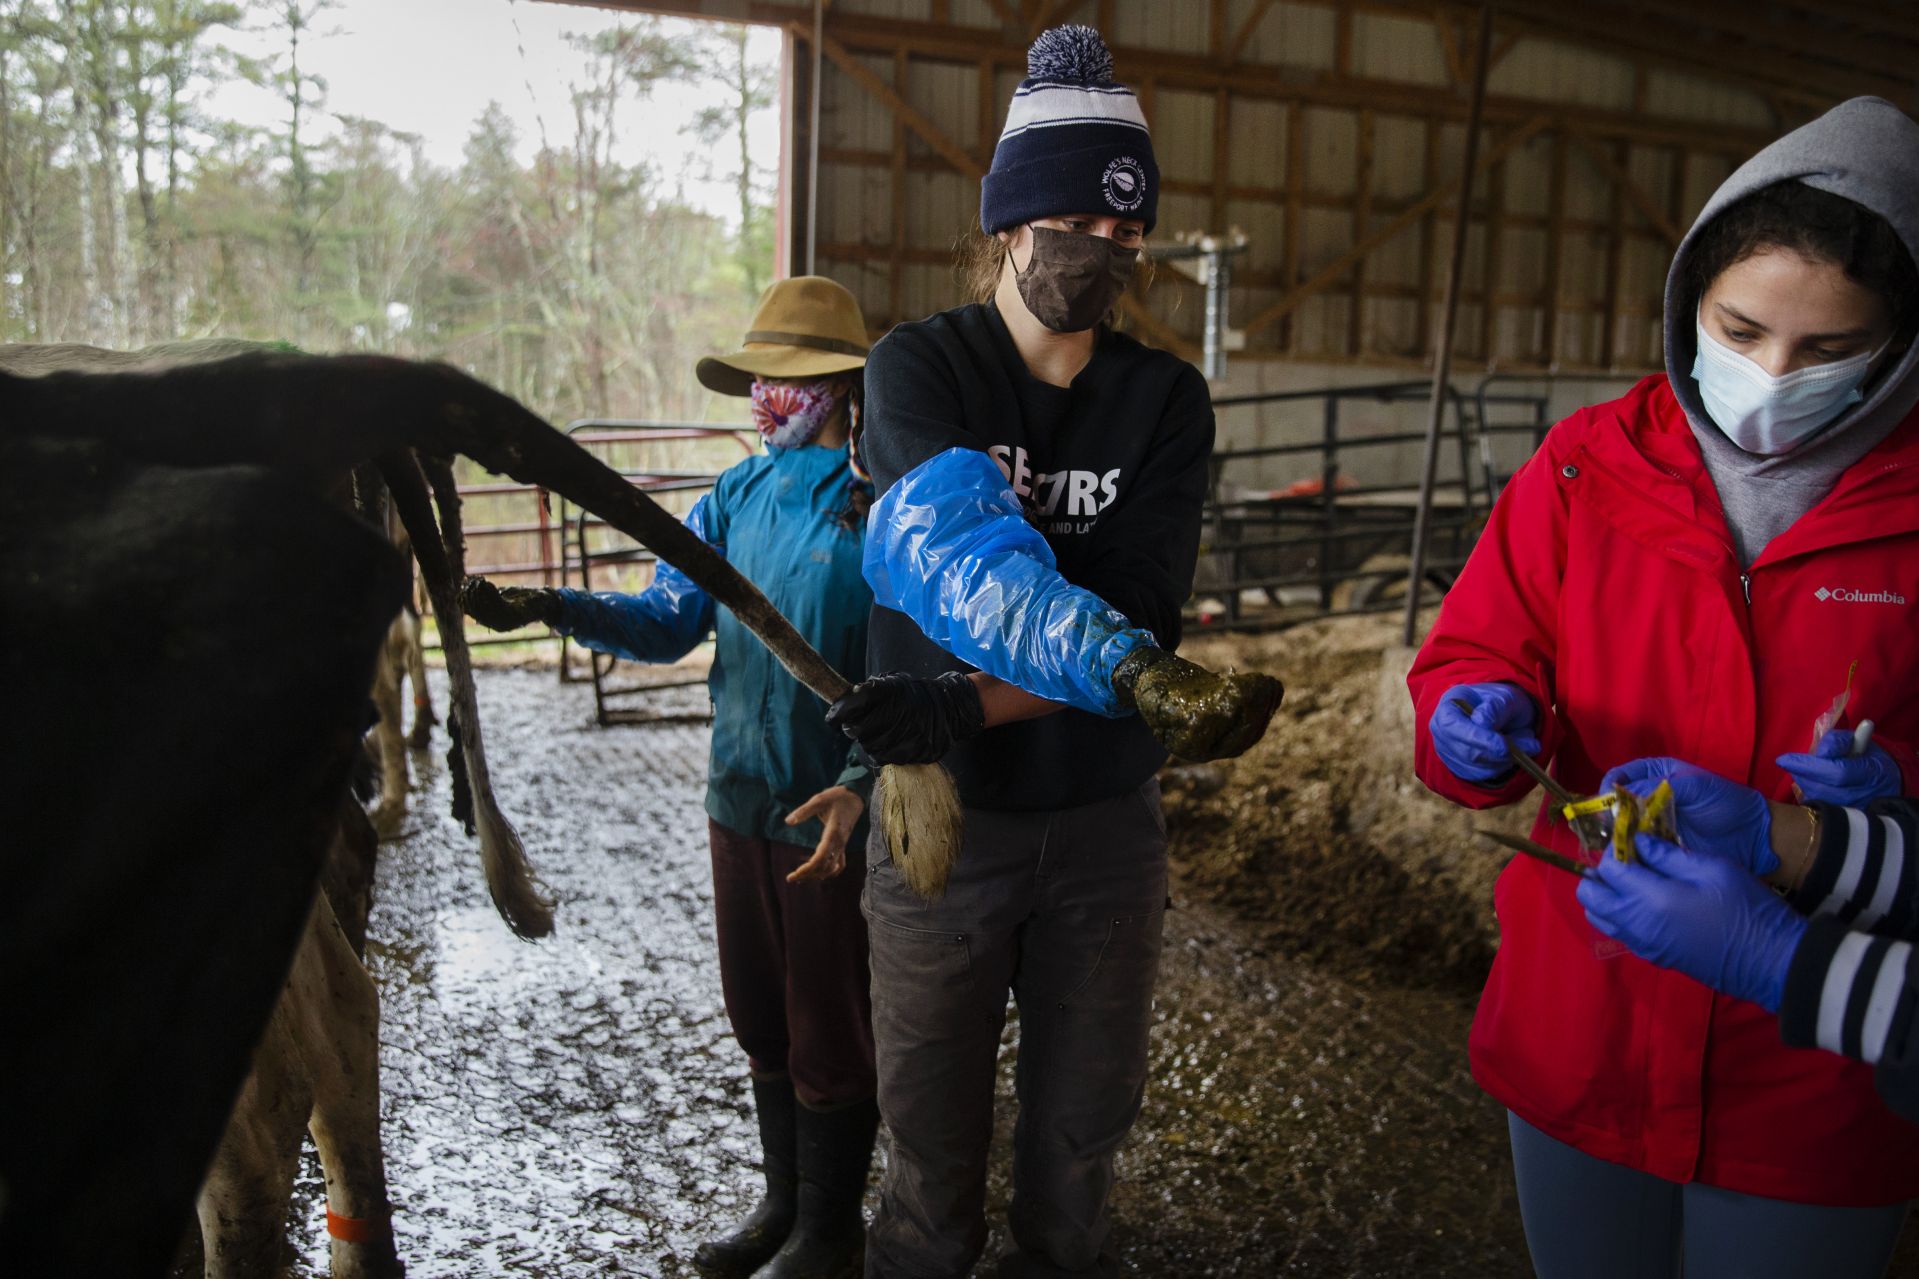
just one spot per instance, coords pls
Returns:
(829, 1239)
(749, 1245)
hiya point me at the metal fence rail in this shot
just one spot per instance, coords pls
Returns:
(1349, 542)
(539, 545)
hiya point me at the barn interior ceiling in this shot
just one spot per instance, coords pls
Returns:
(1331, 134)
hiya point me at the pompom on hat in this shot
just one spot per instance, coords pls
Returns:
(1074, 141)
(805, 327)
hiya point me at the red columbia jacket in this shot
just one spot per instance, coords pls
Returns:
(1606, 586)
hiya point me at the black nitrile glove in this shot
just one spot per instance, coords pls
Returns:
(903, 719)
(1195, 713)
(509, 608)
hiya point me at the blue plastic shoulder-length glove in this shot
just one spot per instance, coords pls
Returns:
(1832, 774)
(950, 547)
(1712, 814)
(1698, 914)
(1473, 746)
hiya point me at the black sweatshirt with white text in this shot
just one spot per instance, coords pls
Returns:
(1112, 471)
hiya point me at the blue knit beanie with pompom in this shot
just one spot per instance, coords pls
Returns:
(1074, 141)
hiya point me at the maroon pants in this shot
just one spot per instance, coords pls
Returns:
(793, 964)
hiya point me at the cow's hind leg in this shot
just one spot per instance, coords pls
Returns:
(343, 1061)
(390, 814)
(243, 1203)
(423, 717)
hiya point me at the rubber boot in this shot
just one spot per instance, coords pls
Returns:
(829, 1238)
(749, 1245)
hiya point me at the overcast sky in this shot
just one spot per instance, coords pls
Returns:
(431, 66)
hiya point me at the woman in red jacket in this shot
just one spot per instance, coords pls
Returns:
(1694, 570)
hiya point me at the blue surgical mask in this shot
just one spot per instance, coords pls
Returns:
(1771, 415)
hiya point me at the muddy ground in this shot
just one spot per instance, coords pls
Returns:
(575, 1106)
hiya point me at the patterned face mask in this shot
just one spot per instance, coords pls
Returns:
(791, 414)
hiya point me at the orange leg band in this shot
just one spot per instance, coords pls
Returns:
(357, 1229)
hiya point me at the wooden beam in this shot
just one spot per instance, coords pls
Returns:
(1246, 29)
(1507, 43)
(1449, 46)
(987, 137)
(1343, 42)
(1356, 342)
(1620, 26)
(1432, 200)
(1327, 201)
(1276, 82)
(1216, 29)
(1492, 263)
(1295, 199)
(1004, 12)
(1761, 27)
(1555, 247)
(896, 278)
(1039, 19)
(1222, 158)
(1535, 15)
(1615, 257)
(1428, 245)
(911, 116)
(1632, 190)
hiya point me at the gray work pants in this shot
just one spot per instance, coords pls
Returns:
(1064, 909)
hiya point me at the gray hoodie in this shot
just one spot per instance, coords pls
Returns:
(1866, 150)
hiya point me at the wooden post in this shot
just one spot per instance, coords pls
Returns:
(1362, 227)
(1295, 207)
(1448, 316)
(895, 300)
(1428, 244)
(1492, 264)
(1555, 247)
(1222, 158)
(1615, 251)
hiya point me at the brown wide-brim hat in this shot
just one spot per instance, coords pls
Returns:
(806, 327)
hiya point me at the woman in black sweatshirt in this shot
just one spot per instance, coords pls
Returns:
(1040, 480)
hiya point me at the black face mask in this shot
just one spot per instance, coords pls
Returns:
(1073, 279)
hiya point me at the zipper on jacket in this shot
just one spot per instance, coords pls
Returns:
(1745, 585)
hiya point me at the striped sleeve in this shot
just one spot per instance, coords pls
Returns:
(1866, 872)
(1855, 994)
(1849, 992)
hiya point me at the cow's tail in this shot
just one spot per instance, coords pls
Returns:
(440, 551)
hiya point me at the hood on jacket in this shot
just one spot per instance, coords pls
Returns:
(1867, 151)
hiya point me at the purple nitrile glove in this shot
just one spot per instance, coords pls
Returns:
(1832, 774)
(1702, 916)
(1712, 815)
(1473, 747)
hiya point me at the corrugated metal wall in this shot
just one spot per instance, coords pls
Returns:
(1549, 219)
(1311, 127)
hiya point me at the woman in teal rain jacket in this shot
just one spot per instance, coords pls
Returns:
(784, 795)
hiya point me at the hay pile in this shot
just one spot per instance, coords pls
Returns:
(1320, 837)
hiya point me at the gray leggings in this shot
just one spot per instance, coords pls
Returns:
(1586, 1217)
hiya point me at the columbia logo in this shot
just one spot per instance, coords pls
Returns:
(1847, 596)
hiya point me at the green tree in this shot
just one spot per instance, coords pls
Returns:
(727, 63)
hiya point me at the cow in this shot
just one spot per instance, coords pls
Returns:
(195, 619)
(192, 554)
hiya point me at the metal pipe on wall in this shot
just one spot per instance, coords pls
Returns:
(1448, 324)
